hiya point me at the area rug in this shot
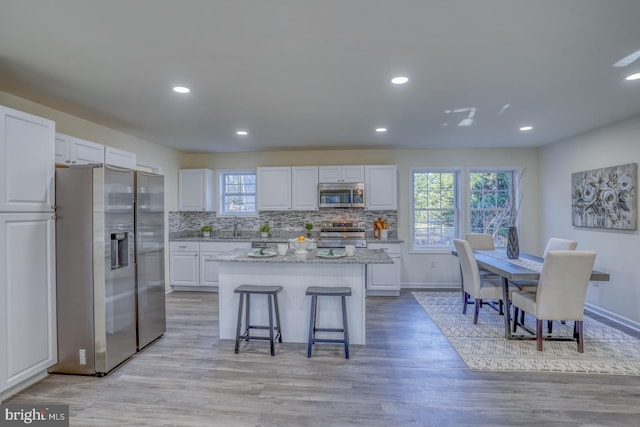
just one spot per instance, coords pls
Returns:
(484, 348)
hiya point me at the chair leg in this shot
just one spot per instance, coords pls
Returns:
(465, 302)
(522, 318)
(580, 331)
(549, 326)
(515, 318)
(539, 333)
(476, 310)
(501, 308)
(345, 326)
(312, 324)
(240, 297)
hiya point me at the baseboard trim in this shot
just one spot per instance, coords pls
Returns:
(621, 320)
(413, 286)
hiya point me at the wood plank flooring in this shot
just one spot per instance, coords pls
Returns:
(406, 375)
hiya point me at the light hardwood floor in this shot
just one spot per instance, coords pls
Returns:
(406, 375)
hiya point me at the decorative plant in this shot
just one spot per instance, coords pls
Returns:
(207, 228)
(265, 228)
(507, 214)
(309, 227)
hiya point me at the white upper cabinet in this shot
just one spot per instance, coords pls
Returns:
(304, 188)
(27, 156)
(381, 191)
(196, 190)
(340, 174)
(75, 151)
(120, 158)
(273, 189)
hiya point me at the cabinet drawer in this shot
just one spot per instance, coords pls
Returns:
(184, 246)
(390, 248)
(223, 246)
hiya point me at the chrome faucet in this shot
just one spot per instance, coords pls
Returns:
(235, 227)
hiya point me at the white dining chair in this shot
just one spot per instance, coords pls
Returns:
(473, 286)
(483, 241)
(560, 293)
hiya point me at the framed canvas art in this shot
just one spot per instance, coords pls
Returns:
(605, 198)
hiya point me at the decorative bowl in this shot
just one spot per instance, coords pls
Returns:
(301, 246)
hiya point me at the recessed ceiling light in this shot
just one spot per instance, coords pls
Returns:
(400, 80)
(242, 133)
(181, 89)
(634, 76)
(381, 130)
(526, 128)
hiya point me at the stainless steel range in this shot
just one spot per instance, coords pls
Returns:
(340, 234)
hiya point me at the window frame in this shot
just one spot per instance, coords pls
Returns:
(459, 213)
(221, 194)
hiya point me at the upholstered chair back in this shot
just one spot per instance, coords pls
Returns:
(479, 241)
(555, 244)
(469, 268)
(562, 287)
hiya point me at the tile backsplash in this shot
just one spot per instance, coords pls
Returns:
(283, 222)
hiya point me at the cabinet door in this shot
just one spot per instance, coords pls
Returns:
(328, 174)
(62, 149)
(27, 296)
(352, 174)
(83, 152)
(384, 279)
(27, 156)
(185, 269)
(120, 158)
(274, 189)
(195, 191)
(381, 187)
(208, 269)
(304, 188)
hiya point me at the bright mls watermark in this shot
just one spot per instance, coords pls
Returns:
(34, 415)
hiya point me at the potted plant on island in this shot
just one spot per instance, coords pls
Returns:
(206, 230)
(264, 230)
(309, 227)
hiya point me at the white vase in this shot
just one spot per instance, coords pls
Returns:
(264, 234)
(206, 234)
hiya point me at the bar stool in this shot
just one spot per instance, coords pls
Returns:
(274, 332)
(315, 292)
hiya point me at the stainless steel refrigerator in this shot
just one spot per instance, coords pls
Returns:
(95, 269)
(150, 282)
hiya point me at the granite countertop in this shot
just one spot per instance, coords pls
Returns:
(255, 237)
(362, 256)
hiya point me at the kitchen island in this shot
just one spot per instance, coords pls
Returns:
(295, 272)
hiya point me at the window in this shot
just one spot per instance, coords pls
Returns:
(237, 192)
(435, 208)
(491, 207)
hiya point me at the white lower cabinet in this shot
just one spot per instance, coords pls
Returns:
(27, 299)
(184, 264)
(384, 279)
(193, 266)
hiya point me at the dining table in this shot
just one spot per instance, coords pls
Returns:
(526, 267)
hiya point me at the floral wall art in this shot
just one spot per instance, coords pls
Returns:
(605, 198)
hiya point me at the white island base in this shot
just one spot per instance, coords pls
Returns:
(294, 305)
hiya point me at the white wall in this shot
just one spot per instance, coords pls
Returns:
(431, 269)
(617, 252)
(166, 159)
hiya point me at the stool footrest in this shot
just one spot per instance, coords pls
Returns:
(337, 341)
(253, 337)
(328, 330)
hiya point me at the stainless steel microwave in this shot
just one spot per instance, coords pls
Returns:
(342, 195)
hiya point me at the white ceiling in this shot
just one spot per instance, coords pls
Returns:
(302, 74)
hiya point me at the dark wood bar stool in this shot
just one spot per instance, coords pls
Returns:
(271, 292)
(315, 292)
